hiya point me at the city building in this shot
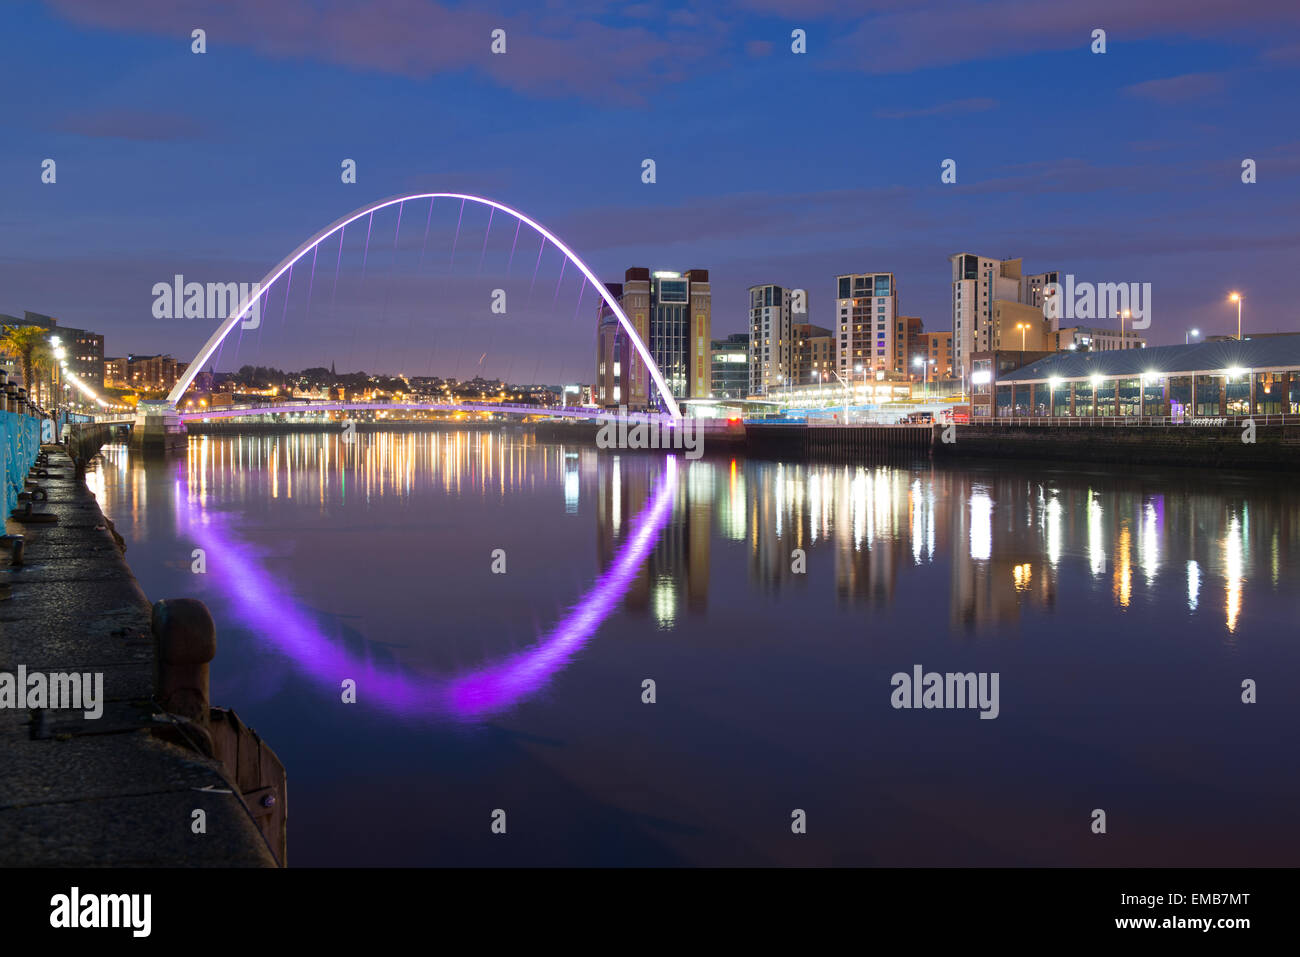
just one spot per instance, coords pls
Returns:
(153, 373)
(1095, 340)
(730, 371)
(115, 373)
(935, 348)
(613, 350)
(772, 318)
(1016, 325)
(991, 367)
(84, 349)
(914, 329)
(985, 295)
(672, 313)
(870, 332)
(812, 354)
(1204, 379)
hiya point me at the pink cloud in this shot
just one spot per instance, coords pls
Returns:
(546, 54)
(1178, 89)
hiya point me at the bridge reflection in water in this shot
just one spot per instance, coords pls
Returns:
(1004, 536)
(1122, 612)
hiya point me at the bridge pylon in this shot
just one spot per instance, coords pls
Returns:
(158, 427)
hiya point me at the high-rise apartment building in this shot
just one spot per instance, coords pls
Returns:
(773, 313)
(869, 331)
(672, 313)
(979, 323)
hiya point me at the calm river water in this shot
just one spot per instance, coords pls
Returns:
(1121, 611)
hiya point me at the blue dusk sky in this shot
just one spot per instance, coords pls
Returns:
(771, 166)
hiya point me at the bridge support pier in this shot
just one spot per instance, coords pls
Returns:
(157, 427)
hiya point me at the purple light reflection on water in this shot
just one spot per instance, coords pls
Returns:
(268, 608)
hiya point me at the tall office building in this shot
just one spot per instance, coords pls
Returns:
(995, 306)
(672, 313)
(772, 318)
(870, 333)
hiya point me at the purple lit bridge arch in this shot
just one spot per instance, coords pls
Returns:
(571, 412)
(210, 347)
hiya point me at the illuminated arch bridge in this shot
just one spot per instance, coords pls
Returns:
(309, 408)
(210, 347)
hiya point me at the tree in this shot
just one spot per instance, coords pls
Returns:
(28, 344)
(43, 365)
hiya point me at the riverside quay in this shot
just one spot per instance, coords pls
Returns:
(1257, 376)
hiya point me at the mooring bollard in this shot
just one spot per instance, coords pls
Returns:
(185, 641)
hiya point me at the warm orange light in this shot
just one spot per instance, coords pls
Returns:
(1235, 297)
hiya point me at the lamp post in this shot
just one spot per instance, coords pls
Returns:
(1122, 316)
(848, 394)
(1236, 297)
(1187, 336)
(925, 372)
(1024, 328)
(59, 355)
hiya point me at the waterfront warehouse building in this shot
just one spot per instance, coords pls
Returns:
(1252, 376)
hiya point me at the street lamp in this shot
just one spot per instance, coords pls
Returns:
(1122, 316)
(848, 394)
(1023, 327)
(1236, 297)
(1187, 336)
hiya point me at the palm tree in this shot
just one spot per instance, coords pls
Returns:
(27, 343)
(44, 364)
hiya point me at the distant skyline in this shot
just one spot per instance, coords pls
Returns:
(771, 166)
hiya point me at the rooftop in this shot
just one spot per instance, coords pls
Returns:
(1270, 352)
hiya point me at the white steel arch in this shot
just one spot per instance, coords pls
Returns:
(235, 317)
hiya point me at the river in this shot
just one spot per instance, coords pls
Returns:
(499, 605)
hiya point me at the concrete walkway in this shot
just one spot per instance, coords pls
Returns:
(76, 791)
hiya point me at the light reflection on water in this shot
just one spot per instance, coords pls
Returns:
(372, 558)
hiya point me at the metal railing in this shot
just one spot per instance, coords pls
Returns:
(1139, 420)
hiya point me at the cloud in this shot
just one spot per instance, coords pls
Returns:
(931, 33)
(1283, 54)
(547, 55)
(977, 104)
(138, 125)
(1186, 88)
(625, 56)
(779, 218)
